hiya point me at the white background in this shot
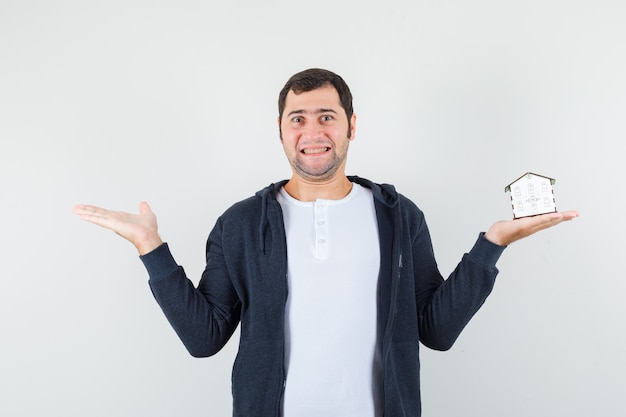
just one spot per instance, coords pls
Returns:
(174, 102)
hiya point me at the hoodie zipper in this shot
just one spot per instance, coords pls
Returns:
(396, 273)
(281, 394)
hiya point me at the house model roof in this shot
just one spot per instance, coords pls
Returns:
(531, 195)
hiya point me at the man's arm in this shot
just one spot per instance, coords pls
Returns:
(203, 319)
(447, 306)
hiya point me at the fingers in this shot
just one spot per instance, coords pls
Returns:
(532, 225)
(549, 220)
(570, 214)
(102, 217)
(85, 209)
(545, 221)
(90, 213)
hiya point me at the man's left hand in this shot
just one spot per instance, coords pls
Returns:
(504, 232)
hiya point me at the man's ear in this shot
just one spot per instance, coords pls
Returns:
(352, 126)
(280, 132)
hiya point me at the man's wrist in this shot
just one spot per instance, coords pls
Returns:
(148, 245)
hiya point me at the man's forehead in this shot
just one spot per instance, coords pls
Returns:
(322, 97)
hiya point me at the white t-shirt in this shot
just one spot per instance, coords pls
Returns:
(332, 348)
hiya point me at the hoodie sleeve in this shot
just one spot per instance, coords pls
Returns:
(446, 306)
(205, 317)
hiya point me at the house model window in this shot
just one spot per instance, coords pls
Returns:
(531, 195)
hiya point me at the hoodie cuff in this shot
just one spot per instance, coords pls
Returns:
(486, 252)
(159, 263)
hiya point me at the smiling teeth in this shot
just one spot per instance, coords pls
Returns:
(316, 150)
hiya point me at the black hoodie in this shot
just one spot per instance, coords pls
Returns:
(245, 281)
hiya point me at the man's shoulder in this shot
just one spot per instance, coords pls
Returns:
(250, 203)
(254, 203)
(385, 193)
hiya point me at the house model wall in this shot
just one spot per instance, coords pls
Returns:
(531, 195)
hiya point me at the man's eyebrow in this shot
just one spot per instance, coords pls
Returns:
(317, 111)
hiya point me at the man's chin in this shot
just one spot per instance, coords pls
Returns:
(316, 175)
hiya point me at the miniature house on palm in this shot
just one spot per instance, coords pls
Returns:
(531, 195)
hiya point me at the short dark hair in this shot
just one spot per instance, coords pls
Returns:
(312, 79)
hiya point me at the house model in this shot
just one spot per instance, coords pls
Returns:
(531, 195)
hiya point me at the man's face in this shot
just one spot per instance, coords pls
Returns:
(314, 132)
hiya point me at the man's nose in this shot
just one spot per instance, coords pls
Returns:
(313, 130)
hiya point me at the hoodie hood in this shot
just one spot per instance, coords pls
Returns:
(384, 193)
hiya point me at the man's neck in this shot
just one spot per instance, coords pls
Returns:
(334, 189)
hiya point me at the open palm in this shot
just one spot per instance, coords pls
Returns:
(506, 232)
(140, 229)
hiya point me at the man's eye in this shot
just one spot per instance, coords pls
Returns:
(297, 120)
(327, 118)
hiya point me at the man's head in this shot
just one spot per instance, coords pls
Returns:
(312, 79)
(316, 124)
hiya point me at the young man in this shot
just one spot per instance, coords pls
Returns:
(333, 278)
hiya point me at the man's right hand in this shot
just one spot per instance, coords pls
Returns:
(139, 229)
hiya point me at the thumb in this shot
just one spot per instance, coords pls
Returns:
(144, 208)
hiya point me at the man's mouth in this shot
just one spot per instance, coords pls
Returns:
(310, 151)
